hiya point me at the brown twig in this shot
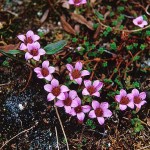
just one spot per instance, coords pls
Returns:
(18, 135)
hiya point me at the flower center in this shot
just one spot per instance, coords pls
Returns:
(67, 102)
(78, 109)
(91, 89)
(34, 52)
(99, 112)
(124, 100)
(77, 1)
(139, 22)
(76, 74)
(137, 99)
(45, 72)
(56, 91)
(29, 40)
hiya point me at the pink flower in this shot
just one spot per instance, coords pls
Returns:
(69, 101)
(138, 98)
(79, 110)
(29, 38)
(92, 89)
(76, 73)
(100, 111)
(124, 100)
(77, 2)
(45, 72)
(34, 51)
(139, 21)
(55, 90)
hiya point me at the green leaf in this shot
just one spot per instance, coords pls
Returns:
(14, 52)
(99, 15)
(53, 48)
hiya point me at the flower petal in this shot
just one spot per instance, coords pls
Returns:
(28, 56)
(74, 103)
(86, 108)
(55, 83)
(85, 92)
(85, 73)
(135, 92)
(37, 70)
(101, 120)
(142, 95)
(97, 94)
(80, 116)
(98, 86)
(104, 105)
(37, 58)
(69, 67)
(42, 51)
(107, 113)
(29, 33)
(67, 109)
(48, 88)
(95, 104)
(92, 114)
(23, 46)
(131, 104)
(78, 80)
(61, 96)
(51, 69)
(72, 94)
(78, 100)
(35, 37)
(87, 83)
(59, 103)
(50, 97)
(64, 88)
(72, 112)
(45, 64)
(118, 98)
(123, 92)
(78, 65)
(49, 77)
(21, 37)
(122, 107)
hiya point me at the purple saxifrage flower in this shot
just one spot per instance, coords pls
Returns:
(55, 90)
(45, 72)
(100, 111)
(124, 100)
(77, 73)
(29, 38)
(139, 21)
(79, 110)
(34, 51)
(138, 98)
(69, 101)
(77, 2)
(92, 89)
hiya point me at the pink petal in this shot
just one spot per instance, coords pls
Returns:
(118, 98)
(130, 96)
(74, 103)
(131, 105)
(97, 94)
(71, 2)
(51, 69)
(59, 103)
(80, 116)
(71, 78)
(85, 73)
(23, 46)
(61, 96)
(143, 102)
(39, 75)
(142, 95)
(69, 67)
(42, 51)
(37, 58)
(28, 56)
(45, 64)
(78, 65)
(87, 83)
(95, 104)
(78, 100)
(67, 109)
(37, 70)
(30, 47)
(122, 107)
(79, 80)
(29, 33)
(55, 83)
(48, 88)
(83, 2)
(96, 83)
(21, 37)
(86, 108)
(72, 94)
(99, 86)
(50, 97)
(85, 92)
(49, 77)
(64, 88)
(107, 113)
(35, 37)
(123, 92)
(140, 104)
(145, 23)
(104, 105)
(92, 114)
(135, 92)
(72, 112)
(101, 120)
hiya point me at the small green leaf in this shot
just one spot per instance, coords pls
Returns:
(14, 52)
(99, 15)
(53, 48)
